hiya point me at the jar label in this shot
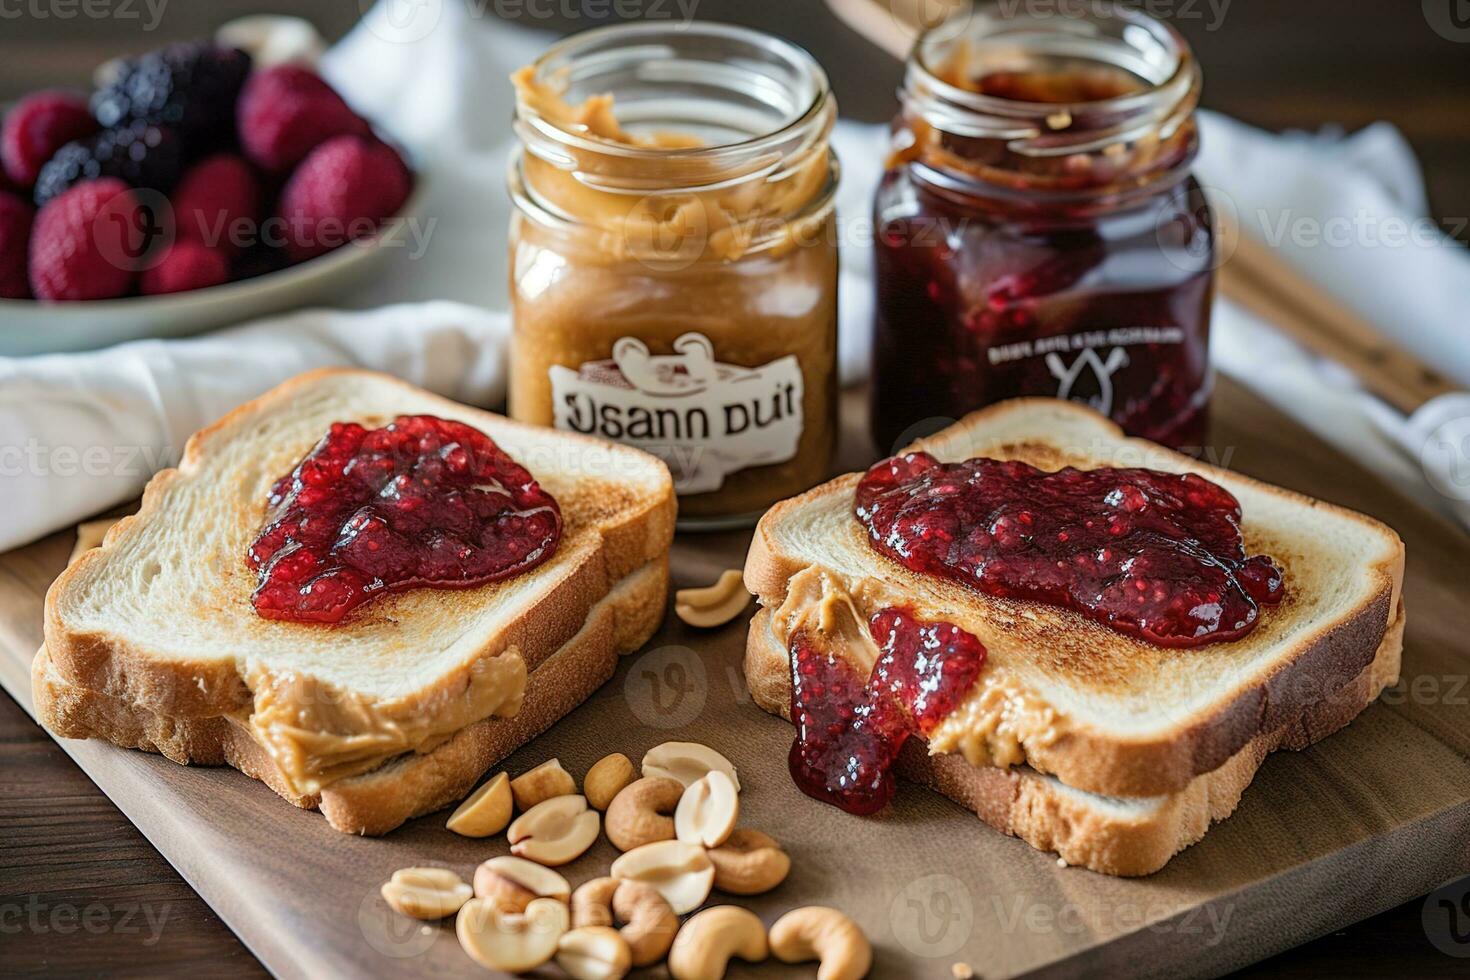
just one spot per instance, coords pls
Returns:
(704, 418)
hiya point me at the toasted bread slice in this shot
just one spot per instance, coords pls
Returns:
(1101, 711)
(1113, 835)
(160, 616)
(409, 785)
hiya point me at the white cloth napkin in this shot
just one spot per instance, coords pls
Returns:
(79, 433)
(83, 432)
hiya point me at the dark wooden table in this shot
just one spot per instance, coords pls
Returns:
(82, 891)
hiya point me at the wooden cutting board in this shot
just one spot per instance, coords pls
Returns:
(1371, 817)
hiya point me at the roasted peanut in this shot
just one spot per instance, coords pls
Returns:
(681, 872)
(511, 941)
(426, 893)
(707, 810)
(541, 784)
(511, 883)
(593, 953)
(684, 762)
(485, 812)
(554, 831)
(606, 779)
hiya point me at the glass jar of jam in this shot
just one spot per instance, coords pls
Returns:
(673, 257)
(1038, 229)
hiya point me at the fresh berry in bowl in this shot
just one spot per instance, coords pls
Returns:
(185, 265)
(345, 186)
(141, 154)
(217, 202)
(186, 173)
(190, 87)
(36, 127)
(286, 112)
(76, 251)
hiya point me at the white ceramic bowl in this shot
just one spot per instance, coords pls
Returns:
(32, 327)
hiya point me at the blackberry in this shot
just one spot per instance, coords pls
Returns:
(143, 155)
(191, 86)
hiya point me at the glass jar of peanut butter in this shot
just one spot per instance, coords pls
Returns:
(673, 257)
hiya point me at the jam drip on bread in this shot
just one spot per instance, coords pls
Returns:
(1154, 555)
(423, 501)
(849, 730)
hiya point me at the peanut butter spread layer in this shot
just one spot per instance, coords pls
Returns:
(992, 725)
(317, 734)
(691, 194)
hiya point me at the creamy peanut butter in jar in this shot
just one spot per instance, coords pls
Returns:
(673, 257)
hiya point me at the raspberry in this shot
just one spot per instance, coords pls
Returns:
(16, 215)
(192, 87)
(287, 111)
(186, 265)
(38, 126)
(83, 244)
(216, 202)
(140, 154)
(342, 190)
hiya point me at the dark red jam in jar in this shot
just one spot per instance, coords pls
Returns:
(423, 501)
(1038, 232)
(849, 729)
(1155, 555)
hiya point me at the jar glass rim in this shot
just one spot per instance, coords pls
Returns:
(602, 44)
(1145, 46)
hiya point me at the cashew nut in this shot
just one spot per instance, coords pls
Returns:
(425, 893)
(593, 953)
(643, 812)
(511, 941)
(704, 946)
(485, 812)
(606, 779)
(713, 605)
(685, 762)
(681, 872)
(816, 932)
(649, 922)
(511, 883)
(555, 831)
(541, 784)
(749, 863)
